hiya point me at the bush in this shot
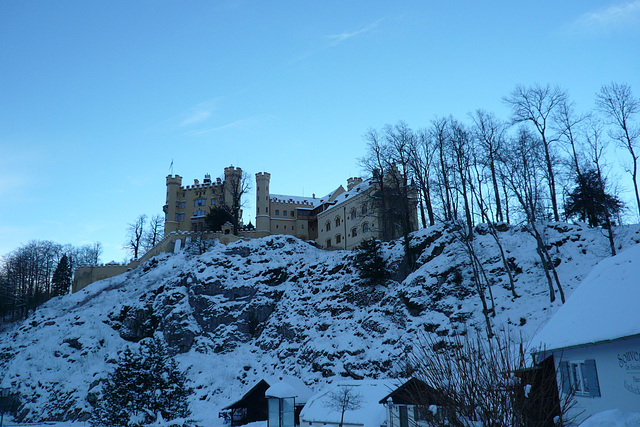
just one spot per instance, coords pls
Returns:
(145, 387)
(474, 381)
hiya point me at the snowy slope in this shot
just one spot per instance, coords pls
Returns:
(276, 306)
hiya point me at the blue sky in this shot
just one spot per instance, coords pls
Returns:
(97, 98)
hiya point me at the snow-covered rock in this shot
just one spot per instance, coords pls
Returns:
(237, 313)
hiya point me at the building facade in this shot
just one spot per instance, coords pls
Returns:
(340, 220)
(186, 206)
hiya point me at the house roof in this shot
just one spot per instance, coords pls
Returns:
(343, 197)
(410, 392)
(256, 391)
(369, 413)
(603, 308)
(290, 387)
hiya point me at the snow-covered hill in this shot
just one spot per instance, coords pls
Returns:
(277, 305)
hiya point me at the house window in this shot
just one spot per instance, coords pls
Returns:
(337, 221)
(292, 215)
(213, 201)
(328, 243)
(338, 239)
(353, 213)
(581, 377)
(199, 202)
(354, 231)
(182, 205)
(284, 213)
(327, 226)
(181, 217)
(364, 209)
(365, 227)
(177, 204)
(277, 212)
(199, 212)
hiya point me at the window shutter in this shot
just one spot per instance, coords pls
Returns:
(590, 374)
(563, 367)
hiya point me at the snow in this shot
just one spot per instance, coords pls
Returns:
(370, 413)
(289, 387)
(604, 307)
(320, 325)
(613, 418)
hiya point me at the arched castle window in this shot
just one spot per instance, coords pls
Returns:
(328, 243)
(327, 226)
(365, 227)
(337, 221)
(338, 239)
(364, 209)
(354, 231)
(353, 213)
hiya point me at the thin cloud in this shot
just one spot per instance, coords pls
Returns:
(336, 39)
(620, 16)
(339, 38)
(249, 123)
(198, 113)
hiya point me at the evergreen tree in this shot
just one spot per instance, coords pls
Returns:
(61, 280)
(369, 262)
(145, 387)
(589, 201)
(217, 217)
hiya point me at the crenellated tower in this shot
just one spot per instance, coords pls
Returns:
(170, 209)
(262, 201)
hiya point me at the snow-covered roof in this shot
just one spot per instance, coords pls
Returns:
(289, 387)
(369, 414)
(603, 308)
(360, 188)
(294, 199)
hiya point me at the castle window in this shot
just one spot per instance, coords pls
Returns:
(257, 209)
(277, 226)
(353, 213)
(177, 217)
(277, 212)
(213, 201)
(354, 231)
(328, 243)
(292, 215)
(177, 204)
(182, 205)
(199, 212)
(337, 221)
(285, 227)
(364, 209)
(365, 227)
(327, 226)
(284, 213)
(199, 202)
(338, 239)
(181, 217)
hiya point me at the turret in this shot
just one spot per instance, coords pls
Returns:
(173, 187)
(352, 182)
(263, 219)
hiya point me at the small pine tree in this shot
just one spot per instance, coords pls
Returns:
(61, 280)
(144, 387)
(590, 202)
(369, 262)
(217, 217)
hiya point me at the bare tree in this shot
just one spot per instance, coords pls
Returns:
(235, 187)
(461, 149)
(474, 381)
(154, 233)
(421, 159)
(620, 106)
(489, 133)
(440, 135)
(135, 234)
(343, 399)
(536, 105)
(521, 173)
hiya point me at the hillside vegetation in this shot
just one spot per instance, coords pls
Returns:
(277, 305)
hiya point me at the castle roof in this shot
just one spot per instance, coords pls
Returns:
(358, 189)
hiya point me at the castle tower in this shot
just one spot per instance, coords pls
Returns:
(173, 187)
(263, 220)
(232, 187)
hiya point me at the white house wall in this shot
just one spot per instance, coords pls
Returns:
(618, 368)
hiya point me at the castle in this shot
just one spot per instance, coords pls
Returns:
(340, 220)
